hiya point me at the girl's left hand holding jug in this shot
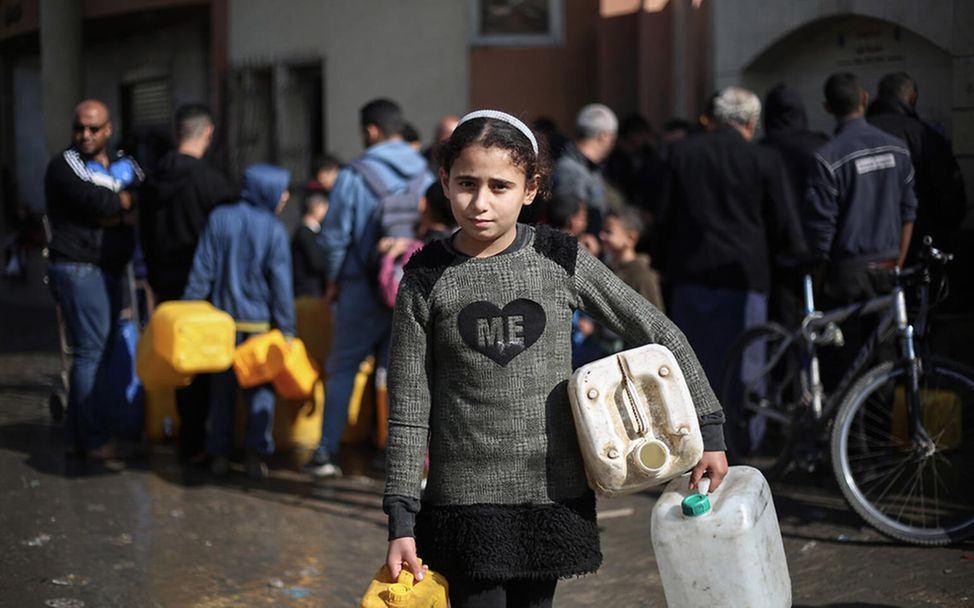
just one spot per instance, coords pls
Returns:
(402, 551)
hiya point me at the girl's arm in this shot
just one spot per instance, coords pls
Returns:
(409, 410)
(609, 300)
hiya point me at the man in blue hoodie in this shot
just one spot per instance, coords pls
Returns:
(243, 266)
(349, 238)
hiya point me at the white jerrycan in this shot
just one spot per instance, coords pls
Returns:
(635, 420)
(721, 550)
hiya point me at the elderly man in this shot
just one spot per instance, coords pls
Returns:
(578, 173)
(726, 210)
(92, 241)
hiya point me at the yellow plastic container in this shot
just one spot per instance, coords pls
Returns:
(161, 415)
(942, 417)
(431, 592)
(297, 422)
(193, 336)
(314, 327)
(152, 369)
(298, 372)
(257, 360)
(361, 405)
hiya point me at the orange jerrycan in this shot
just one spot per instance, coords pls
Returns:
(257, 360)
(298, 372)
(194, 337)
(431, 592)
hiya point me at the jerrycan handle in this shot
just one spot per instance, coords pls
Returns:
(635, 410)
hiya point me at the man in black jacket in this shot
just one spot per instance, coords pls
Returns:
(942, 203)
(91, 243)
(786, 132)
(726, 210)
(176, 201)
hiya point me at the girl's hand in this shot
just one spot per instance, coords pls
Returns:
(404, 550)
(714, 465)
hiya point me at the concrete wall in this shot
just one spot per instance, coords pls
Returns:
(864, 46)
(414, 52)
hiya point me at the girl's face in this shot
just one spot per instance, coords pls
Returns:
(486, 191)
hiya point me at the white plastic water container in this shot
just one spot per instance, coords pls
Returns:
(635, 420)
(721, 550)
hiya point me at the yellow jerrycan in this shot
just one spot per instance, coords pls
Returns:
(298, 371)
(257, 360)
(194, 337)
(154, 371)
(431, 592)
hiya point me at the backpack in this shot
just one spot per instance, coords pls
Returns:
(398, 208)
(395, 214)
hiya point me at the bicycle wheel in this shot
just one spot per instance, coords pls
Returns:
(922, 496)
(759, 392)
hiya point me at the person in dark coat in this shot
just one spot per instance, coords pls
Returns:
(786, 132)
(726, 210)
(942, 202)
(307, 258)
(176, 201)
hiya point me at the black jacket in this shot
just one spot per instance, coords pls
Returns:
(726, 211)
(786, 131)
(85, 217)
(860, 193)
(308, 261)
(176, 200)
(939, 183)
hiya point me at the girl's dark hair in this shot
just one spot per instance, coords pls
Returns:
(494, 133)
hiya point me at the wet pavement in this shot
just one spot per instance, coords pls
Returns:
(155, 535)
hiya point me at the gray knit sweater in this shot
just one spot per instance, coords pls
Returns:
(481, 354)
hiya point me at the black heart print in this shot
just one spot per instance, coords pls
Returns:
(501, 334)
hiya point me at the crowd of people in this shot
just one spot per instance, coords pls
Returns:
(704, 220)
(479, 271)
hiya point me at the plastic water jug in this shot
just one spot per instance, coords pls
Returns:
(194, 337)
(721, 550)
(257, 360)
(154, 371)
(431, 592)
(298, 371)
(635, 420)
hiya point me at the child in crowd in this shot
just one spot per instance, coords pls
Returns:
(243, 266)
(621, 232)
(308, 258)
(325, 171)
(478, 372)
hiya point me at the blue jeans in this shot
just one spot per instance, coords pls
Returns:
(362, 327)
(90, 300)
(712, 318)
(260, 399)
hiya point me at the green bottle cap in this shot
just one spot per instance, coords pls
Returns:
(695, 505)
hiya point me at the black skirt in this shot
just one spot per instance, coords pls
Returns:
(505, 542)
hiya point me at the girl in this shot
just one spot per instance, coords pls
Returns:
(481, 354)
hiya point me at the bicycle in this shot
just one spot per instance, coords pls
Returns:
(899, 433)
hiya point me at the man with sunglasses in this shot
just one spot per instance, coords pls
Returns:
(92, 240)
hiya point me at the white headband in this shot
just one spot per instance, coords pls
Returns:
(504, 116)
